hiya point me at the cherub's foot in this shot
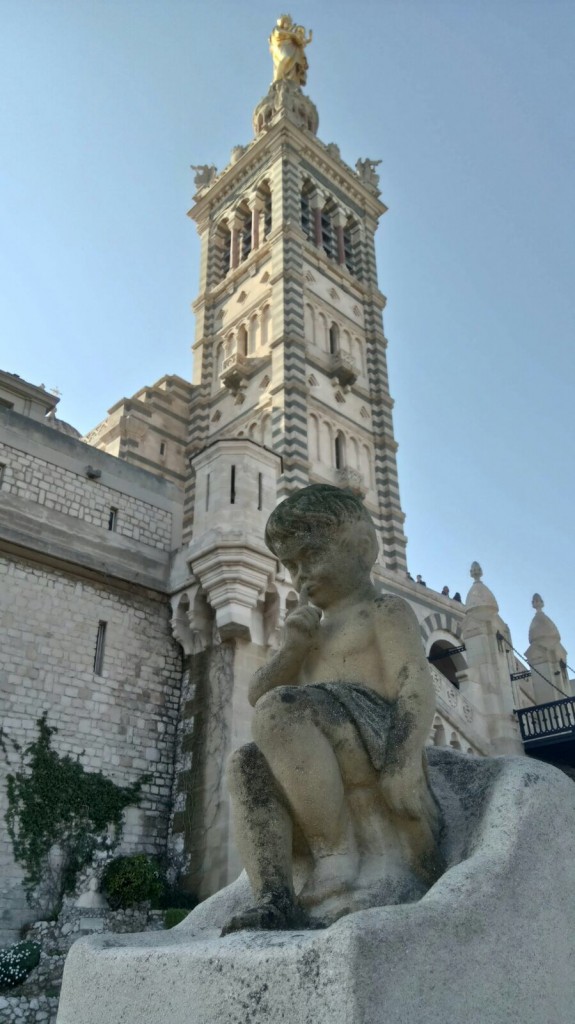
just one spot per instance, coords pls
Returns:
(332, 876)
(274, 912)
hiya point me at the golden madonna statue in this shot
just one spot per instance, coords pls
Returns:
(287, 47)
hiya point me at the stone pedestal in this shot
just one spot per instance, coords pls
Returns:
(492, 941)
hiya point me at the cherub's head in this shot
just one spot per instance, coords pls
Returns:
(325, 537)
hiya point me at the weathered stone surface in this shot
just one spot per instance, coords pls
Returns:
(492, 941)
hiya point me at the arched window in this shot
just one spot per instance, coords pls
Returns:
(253, 335)
(354, 453)
(242, 347)
(323, 333)
(346, 342)
(245, 240)
(253, 431)
(219, 359)
(325, 443)
(265, 194)
(366, 465)
(438, 735)
(309, 323)
(267, 431)
(307, 224)
(314, 437)
(328, 233)
(339, 450)
(229, 346)
(357, 352)
(447, 663)
(333, 338)
(266, 325)
(351, 246)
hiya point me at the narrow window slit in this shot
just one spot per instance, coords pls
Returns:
(100, 645)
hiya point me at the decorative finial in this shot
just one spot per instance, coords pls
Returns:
(287, 46)
(476, 571)
(537, 602)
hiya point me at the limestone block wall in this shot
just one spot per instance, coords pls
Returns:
(121, 720)
(47, 483)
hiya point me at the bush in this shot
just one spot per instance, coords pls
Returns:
(16, 962)
(130, 880)
(53, 802)
(173, 916)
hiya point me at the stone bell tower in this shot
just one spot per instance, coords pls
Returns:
(290, 350)
(290, 388)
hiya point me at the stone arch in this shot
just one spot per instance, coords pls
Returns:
(438, 643)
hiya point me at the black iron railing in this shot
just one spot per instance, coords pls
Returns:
(546, 722)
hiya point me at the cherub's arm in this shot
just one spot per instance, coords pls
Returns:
(410, 688)
(283, 669)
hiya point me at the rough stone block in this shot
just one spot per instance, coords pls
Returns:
(493, 941)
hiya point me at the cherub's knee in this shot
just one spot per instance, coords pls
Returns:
(242, 765)
(275, 713)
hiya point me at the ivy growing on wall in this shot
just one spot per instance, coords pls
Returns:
(54, 803)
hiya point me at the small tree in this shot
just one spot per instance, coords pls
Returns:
(53, 803)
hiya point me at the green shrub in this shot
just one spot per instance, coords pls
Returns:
(173, 916)
(54, 802)
(16, 962)
(130, 880)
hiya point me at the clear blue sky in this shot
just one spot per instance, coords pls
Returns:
(470, 104)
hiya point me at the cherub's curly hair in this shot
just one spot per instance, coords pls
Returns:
(318, 507)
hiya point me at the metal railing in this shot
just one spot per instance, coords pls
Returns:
(547, 721)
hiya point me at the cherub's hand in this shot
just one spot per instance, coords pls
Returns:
(301, 627)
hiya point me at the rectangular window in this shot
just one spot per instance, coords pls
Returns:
(233, 486)
(2, 472)
(5, 404)
(207, 492)
(99, 652)
(162, 448)
(113, 519)
(260, 491)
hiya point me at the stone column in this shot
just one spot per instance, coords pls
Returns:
(236, 224)
(339, 220)
(256, 206)
(316, 201)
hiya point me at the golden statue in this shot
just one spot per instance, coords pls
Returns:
(287, 45)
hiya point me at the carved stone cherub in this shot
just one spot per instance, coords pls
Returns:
(331, 804)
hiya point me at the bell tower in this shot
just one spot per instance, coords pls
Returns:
(290, 388)
(290, 351)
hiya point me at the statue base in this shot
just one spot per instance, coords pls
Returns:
(492, 941)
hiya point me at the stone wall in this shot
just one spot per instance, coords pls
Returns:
(121, 721)
(63, 490)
